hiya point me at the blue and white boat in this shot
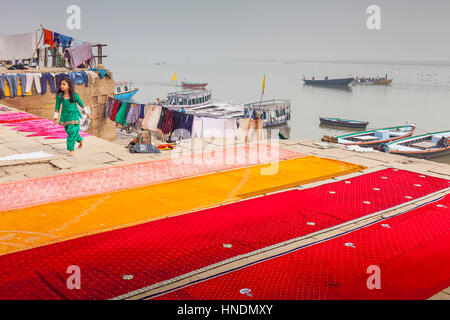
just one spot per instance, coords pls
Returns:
(124, 90)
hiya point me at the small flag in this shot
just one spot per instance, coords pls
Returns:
(174, 77)
(264, 83)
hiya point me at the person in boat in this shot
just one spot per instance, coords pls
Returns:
(313, 78)
(443, 142)
(326, 78)
(182, 110)
(70, 115)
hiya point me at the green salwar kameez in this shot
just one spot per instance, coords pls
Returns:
(70, 119)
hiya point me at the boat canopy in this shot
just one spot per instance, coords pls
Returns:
(124, 86)
(189, 98)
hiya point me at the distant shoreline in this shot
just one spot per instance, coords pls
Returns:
(407, 63)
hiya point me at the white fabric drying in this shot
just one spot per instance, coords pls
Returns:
(197, 127)
(85, 121)
(30, 77)
(154, 119)
(17, 46)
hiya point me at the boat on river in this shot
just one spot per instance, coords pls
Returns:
(329, 82)
(343, 122)
(124, 90)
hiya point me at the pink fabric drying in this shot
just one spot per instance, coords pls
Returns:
(79, 54)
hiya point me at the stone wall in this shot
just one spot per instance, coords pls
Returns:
(94, 96)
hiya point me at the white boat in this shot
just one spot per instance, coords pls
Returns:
(424, 146)
(374, 138)
(124, 90)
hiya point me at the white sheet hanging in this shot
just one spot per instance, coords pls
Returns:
(17, 46)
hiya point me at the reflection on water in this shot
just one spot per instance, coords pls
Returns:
(340, 130)
(324, 88)
(282, 132)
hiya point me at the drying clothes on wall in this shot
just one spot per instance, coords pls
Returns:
(17, 46)
(48, 77)
(92, 76)
(11, 79)
(80, 78)
(80, 54)
(102, 73)
(62, 40)
(49, 38)
(2, 88)
(61, 76)
(23, 83)
(33, 78)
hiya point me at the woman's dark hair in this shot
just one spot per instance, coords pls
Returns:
(71, 89)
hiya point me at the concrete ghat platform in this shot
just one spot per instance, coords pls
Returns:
(99, 153)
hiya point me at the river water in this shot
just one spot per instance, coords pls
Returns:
(419, 94)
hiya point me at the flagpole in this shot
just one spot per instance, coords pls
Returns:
(260, 106)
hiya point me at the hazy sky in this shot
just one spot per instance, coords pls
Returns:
(246, 29)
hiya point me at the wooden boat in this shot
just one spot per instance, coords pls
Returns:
(371, 82)
(425, 146)
(343, 122)
(374, 138)
(194, 85)
(382, 82)
(329, 82)
(124, 90)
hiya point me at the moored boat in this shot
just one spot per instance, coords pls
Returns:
(374, 138)
(424, 146)
(272, 112)
(188, 99)
(329, 82)
(343, 122)
(124, 90)
(194, 85)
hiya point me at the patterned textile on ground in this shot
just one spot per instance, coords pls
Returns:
(410, 253)
(95, 214)
(41, 127)
(161, 250)
(31, 192)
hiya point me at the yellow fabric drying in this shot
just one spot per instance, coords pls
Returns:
(55, 222)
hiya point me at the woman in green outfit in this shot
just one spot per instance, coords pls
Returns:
(70, 115)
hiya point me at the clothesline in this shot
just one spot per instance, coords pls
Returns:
(21, 84)
(179, 125)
